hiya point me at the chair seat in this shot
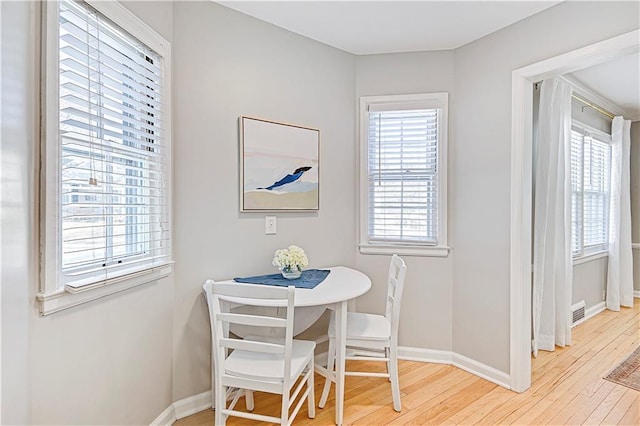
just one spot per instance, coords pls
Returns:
(362, 326)
(266, 366)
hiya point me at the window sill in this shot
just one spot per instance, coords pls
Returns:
(589, 257)
(423, 251)
(67, 298)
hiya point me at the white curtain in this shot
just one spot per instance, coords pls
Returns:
(553, 264)
(620, 273)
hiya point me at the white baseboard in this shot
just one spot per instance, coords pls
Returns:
(183, 408)
(594, 310)
(193, 404)
(424, 355)
(446, 357)
(636, 294)
(167, 418)
(482, 370)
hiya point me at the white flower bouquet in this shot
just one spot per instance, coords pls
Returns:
(292, 259)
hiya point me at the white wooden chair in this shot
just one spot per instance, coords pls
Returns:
(373, 337)
(263, 364)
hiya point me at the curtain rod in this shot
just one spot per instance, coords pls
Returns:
(591, 105)
(584, 101)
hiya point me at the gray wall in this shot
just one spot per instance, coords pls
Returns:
(125, 358)
(480, 159)
(590, 281)
(635, 201)
(225, 65)
(427, 294)
(105, 362)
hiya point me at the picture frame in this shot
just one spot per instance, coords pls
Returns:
(279, 166)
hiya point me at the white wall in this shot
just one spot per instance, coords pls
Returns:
(635, 201)
(480, 158)
(105, 362)
(425, 321)
(225, 65)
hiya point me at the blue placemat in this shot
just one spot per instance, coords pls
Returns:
(309, 279)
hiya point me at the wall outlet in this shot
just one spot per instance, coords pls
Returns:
(604, 295)
(270, 225)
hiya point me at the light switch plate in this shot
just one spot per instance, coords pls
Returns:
(270, 225)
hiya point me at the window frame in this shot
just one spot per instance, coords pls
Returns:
(52, 296)
(585, 254)
(438, 101)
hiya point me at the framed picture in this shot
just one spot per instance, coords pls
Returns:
(279, 166)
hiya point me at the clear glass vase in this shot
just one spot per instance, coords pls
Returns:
(291, 274)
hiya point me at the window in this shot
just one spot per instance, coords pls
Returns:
(590, 183)
(107, 152)
(403, 174)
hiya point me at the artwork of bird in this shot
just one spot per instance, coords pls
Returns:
(288, 178)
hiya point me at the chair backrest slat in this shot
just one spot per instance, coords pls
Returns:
(253, 320)
(256, 291)
(395, 287)
(252, 346)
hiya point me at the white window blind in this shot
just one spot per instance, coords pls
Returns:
(590, 182)
(403, 176)
(113, 154)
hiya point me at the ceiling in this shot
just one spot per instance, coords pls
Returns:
(376, 27)
(617, 81)
(370, 27)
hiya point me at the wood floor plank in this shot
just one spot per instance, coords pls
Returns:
(598, 415)
(567, 388)
(431, 407)
(619, 410)
(632, 416)
(458, 401)
(583, 406)
(480, 408)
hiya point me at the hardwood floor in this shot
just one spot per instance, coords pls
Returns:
(567, 388)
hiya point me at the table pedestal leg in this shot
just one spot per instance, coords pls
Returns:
(341, 341)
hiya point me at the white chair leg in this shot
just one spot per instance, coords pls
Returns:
(248, 396)
(330, 370)
(395, 383)
(284, 410)
(311, 399)
(214, 385)
(387, 355)
(221, 403)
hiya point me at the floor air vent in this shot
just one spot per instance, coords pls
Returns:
(577, 313)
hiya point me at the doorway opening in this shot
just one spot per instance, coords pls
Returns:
(521, 184)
